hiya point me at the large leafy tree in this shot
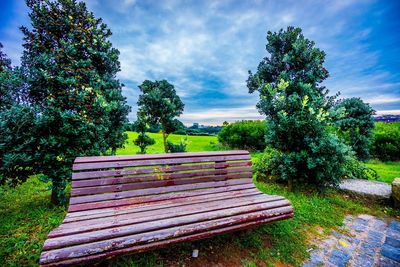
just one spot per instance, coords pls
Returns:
(355, 124)
(289, 80)
(71, 71)
(160, 102)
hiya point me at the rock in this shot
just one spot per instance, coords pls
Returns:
(373, 190)
(396, 192)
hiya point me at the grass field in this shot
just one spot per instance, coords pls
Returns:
(26, 216)
(195, 143)
(387, 171)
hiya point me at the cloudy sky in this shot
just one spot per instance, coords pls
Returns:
(205, 48)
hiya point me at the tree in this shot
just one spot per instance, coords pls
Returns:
(159, 100)
(141, 126)
(71, 71)
(296, 105)
(356, 124)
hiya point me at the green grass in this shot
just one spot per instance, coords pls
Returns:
(26, 216)
(195, 143)
(387, 171)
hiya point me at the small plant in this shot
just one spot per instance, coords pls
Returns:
(180, 147)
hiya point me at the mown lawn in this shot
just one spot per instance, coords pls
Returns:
(26, 216)
(195, 143)
(387, 171)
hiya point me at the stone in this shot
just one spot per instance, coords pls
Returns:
(391, 252)
(364, 260)
(396, 192)
(386, 262)
(393, 242)
(373, 190)
(339, 258)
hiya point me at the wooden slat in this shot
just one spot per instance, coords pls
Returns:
(151, 198)
(160, 244)
(82, 191)
(160, 156)
(158, 235)
(160, 204)
(154, 191)
(152, 225)
(97, 174)
(158, 214)
(150, 162)
(156, 177)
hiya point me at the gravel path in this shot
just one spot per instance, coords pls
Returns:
(363, 241)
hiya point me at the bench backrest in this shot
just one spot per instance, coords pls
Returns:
(98, 181)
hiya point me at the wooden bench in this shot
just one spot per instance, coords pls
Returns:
(129, 204)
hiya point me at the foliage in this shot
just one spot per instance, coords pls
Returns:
(71, 70)
(180, 147)
(162, 105)
(296, 105)
(143, 140)
(355, 125)
(17, 144)
(386, 141)
(244, 135)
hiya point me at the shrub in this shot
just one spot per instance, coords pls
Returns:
(244, 135)
(386, 141)
(355, 124)
(175, 148)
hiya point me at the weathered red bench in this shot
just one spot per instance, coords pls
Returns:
(129, 204)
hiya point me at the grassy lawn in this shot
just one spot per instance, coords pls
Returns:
(26, 216)
(195, 143)
(387, 171)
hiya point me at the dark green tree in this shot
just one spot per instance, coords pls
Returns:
(71, 71)
(355, 124)
(159, 100)
(141, 126)
(296, 105)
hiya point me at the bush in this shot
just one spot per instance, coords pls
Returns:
(386, 141)
(175, 148)
(355, 124)
(244, 135)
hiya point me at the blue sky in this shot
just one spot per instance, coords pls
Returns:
(205, 48)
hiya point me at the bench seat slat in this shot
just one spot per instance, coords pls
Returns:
(167, 212)
(151, 225)
(167, 242)
(158, 235)
(129, 204)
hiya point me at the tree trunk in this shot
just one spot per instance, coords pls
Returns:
(54, 198)
(165, 141)
(290, 184)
